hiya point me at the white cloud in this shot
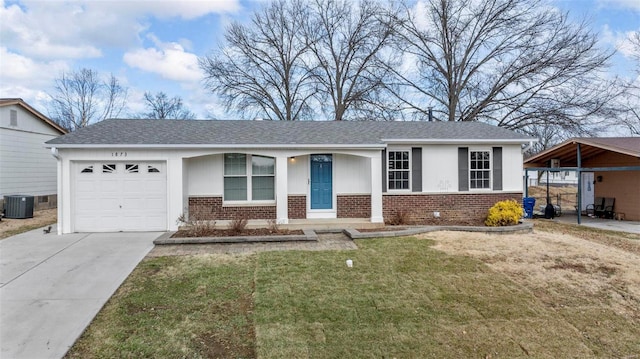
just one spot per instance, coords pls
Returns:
(80, 28)
(28, 79)
(16, 68)
(169, 60)
(625, 4)
(185, 9)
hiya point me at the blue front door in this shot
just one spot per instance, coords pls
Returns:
(321, 182)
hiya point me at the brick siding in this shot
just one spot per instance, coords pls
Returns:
(461, 207)
(458, 207)
(210, 208)
(297, 207)
(354, 206)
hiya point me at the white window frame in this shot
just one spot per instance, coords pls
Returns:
(249, 176)
(388, 170)
(490, 169)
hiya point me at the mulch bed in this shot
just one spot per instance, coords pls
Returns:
(229, 233)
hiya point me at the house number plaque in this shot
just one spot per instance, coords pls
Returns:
(118, 154)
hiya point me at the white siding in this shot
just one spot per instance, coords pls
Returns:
(440, 168)
(511, 168)
(26, 166)
(26, 121)
(298, 175)
(205, 176)
(352, 174)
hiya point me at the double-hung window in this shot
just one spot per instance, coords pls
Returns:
(262, 178)
(398, 170)
(248, 177)
(480, 169)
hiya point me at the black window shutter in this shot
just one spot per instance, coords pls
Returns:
(497, 168)
(416, 169)
(384, 171)
(463, 168)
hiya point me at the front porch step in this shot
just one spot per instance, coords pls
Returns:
(333, 223)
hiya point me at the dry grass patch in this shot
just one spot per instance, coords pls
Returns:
(629, 242)
(594, 287)
(11, 226)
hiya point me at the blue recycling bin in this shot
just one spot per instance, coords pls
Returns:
(529, 204)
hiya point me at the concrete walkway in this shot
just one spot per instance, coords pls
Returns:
(601, 223)
(51, 287)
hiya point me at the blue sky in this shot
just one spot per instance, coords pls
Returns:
(154, 45)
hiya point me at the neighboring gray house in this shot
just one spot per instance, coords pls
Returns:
(26, 165)
(141, 175)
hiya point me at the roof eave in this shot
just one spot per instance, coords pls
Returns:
(448, 141)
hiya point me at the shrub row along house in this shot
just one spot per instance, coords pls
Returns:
(141, 175)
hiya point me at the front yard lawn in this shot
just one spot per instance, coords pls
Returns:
(402, 298)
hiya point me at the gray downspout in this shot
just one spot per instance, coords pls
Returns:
(579, 170)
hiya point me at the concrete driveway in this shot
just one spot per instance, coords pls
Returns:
(51, 287)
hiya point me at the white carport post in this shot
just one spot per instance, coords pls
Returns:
(175, 188)
(376, 189)
(282, 204)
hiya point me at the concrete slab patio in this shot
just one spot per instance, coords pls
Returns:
(601, 223)
(51, 287)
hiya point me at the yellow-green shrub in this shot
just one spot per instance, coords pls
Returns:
(504, 213)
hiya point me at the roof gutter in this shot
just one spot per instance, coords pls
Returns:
(220, 146)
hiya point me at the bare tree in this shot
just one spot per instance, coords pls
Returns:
(161, 107)
(347, 42)
(81, 98)
(514, 63)
(262, 72)
(631, 99)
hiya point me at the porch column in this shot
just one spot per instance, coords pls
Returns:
(376, 189)
(282, 200)
(175, 196)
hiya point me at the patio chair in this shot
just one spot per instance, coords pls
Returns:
(596, 206)
(606, 210)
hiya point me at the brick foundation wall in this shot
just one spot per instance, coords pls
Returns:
(210, 208)
(297, 207)
(354, 206)
(458, 207)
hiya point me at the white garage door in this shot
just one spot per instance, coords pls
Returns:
(120, 196)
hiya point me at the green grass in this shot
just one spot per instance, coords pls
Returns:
(401, 299)
(175, 307)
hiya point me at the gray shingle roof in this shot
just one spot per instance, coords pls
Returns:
(212, 132)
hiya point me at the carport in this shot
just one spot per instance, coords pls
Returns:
(605, 166)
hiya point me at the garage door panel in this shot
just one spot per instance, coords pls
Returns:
(121, 200)
(156, 203)
(110, 185)
(134, 186)
(85, 186)
(155, 185)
